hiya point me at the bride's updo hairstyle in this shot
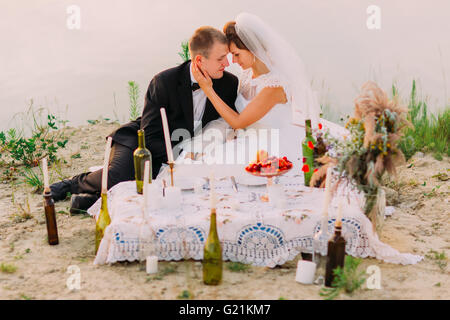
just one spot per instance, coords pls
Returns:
(230, 32)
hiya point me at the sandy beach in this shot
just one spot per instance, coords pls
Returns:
(418, 225)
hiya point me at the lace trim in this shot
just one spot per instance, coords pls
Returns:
(249, 87)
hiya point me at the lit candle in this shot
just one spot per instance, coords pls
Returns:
(166, 135)
(45, 171)
(105, 165)
(152, 264)
(145, 182)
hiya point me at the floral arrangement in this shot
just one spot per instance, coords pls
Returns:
(370, 149)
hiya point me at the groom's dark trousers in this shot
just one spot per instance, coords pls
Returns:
(172, 90)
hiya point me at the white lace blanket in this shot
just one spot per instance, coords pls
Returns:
(256, 233)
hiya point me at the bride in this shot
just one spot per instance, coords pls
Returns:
(274, 100)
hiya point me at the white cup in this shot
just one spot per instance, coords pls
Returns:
(305, 272)
(152, 264)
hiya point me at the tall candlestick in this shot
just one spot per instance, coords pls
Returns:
(105, 165)
(145, 182)
(212, 192)
(327, 191)
(45, 171)
(166, 135)
(339, 216)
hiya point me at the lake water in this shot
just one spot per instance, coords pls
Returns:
(82, 74)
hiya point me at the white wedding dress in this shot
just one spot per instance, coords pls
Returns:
(228, 152)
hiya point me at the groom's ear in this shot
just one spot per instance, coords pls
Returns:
(198, 59)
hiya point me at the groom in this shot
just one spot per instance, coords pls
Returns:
(187, 107)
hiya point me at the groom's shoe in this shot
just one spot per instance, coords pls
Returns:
(79, 203)
(60, 189)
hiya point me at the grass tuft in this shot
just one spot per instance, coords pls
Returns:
(237, 267)
(7, 268)
(429, 133)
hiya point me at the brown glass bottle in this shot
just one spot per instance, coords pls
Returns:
(50, 217)
(140, 155)
(212, 255)
(336, 253)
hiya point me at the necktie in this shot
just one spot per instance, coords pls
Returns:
(195, 86)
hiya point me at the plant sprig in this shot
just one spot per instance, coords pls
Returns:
(346, 279)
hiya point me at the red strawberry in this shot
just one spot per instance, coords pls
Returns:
(304, 159)
(310, 145)
(320, 126)
(305, 168)
(315, 170)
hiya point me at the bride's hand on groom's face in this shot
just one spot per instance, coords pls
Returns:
(202, 77)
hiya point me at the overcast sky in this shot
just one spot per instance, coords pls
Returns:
(118, 41)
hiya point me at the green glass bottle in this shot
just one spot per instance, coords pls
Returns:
(102, 222)
(212, 255)
(140, 155)
(308, 152)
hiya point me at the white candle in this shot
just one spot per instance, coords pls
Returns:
(145, 182)
(339, 216)
(166, 135)
(155, 194)
(45, 171)
(305, 272)
(152, 264)
(327, 192)
(212, 191)
(105, 165)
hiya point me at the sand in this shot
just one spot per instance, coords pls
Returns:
(418, 225)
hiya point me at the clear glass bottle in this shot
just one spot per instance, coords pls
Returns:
(321, 237)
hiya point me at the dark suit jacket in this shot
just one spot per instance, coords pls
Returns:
(171, 89)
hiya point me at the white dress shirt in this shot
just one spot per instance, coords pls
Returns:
(199, 103)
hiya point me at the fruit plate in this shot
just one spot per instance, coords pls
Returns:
(269, 174)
